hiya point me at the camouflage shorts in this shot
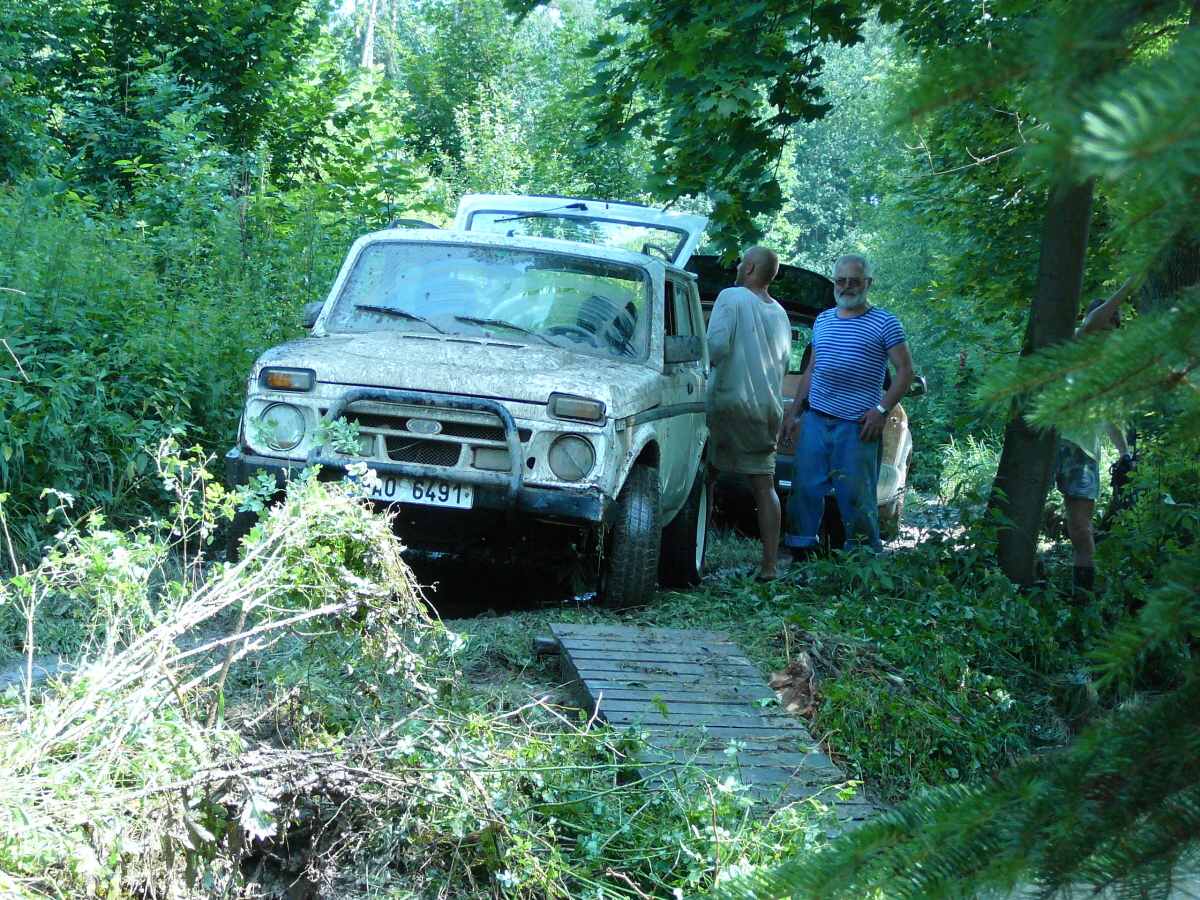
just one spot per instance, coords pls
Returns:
(1076, 474)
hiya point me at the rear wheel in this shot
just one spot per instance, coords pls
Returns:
(685, 540)
(629, 568)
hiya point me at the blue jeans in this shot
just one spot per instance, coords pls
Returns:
(831, 456)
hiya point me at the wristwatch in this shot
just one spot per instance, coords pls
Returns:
(881, 409)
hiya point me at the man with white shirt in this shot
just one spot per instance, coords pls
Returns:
(840, 410)
(749, 344)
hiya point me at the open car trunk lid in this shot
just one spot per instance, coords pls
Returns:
(668, 236)
(802, 293)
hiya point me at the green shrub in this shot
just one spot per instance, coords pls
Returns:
(120, 332)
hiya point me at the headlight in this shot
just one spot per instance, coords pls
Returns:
(282, 426)
(571, 457)
(565, 406)
(277, 378)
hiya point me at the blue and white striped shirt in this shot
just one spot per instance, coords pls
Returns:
(849, 360)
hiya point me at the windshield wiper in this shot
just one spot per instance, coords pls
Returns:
(398, 313)
(540, 212)
(472, 320)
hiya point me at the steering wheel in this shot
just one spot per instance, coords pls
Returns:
(574, 332)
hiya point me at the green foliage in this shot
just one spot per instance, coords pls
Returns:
(714, 90)
(121, 743)
(387, 770)
(1120, 806)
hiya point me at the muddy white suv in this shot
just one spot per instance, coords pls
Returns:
(531, 380)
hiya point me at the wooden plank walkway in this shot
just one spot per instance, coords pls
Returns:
(702, 702)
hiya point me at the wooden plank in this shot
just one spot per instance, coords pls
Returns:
(731, 732)
(624, 632)
(698, 713)
(663, 740)
(626, 668)
(683, 684)
(778, 759)
(577, 645)
(662, 656)
(729, 696)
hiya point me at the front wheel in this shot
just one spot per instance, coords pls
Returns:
(685, 540)
(629, 568)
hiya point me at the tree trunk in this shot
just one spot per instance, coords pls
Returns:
(1027, 460)
(368, 47)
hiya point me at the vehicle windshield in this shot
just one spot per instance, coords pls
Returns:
(583, 305)
(638, 237)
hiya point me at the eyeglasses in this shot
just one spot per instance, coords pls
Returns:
(849, 282)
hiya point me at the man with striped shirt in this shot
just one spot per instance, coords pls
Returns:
(842, 391)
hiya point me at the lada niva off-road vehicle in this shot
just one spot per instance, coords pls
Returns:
(533, 378)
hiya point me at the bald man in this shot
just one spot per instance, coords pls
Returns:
(749, 342)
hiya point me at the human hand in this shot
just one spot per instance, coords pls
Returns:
(788, 430)
(872, 425)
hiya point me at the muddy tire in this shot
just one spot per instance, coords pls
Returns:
(685, 540)
(629, 569)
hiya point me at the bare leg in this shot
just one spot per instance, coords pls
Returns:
(1079, 529)
(767, 502)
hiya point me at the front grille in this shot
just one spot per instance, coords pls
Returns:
(469, 430)
(428, 453)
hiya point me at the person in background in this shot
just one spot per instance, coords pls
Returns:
(749, 343)
(842, 391)
(1077, 469)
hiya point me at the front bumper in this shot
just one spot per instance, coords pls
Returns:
(566, 505)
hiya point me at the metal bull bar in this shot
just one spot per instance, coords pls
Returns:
(511, 481)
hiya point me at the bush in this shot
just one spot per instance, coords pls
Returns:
(119, 332)
(234, 728)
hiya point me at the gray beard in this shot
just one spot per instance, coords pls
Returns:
(845, 302)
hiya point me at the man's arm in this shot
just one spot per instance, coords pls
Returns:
(720, 330)
(872, 420)
(791, 418)
(1100, 317)
(901, 359)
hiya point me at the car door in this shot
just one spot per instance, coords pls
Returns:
(684, 429)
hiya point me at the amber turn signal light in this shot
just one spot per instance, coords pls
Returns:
(280, 379)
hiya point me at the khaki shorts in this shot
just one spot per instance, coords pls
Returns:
(728, 455)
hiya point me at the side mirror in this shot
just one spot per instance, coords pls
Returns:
(919, 387)
(311, 312)
(683, 348)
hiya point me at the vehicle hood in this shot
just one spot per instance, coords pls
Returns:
(466, 366)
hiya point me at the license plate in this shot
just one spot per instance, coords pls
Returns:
(425, 491)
